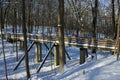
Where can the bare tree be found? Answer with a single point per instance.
(61, 34)
(95, 10)
(118, 40)
(118, 30)
(94, 23)
(15, 26)
(113, 19)
(2, 26)
(30, 16)
(25, 39)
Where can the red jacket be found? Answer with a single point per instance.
(76, 35)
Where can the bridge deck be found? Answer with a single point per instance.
(106, 44)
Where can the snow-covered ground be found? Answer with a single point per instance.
(104, 68)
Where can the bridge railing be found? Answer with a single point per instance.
(106, 43)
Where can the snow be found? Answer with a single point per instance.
(106, 67)
(102, 69)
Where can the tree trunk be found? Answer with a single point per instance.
(61, 34)
(1, 26)
(118, 7)
(15, 26)
(30, 17)
(94, 23)
(25, 39)
(95, 18)
(118, 33)
(113, 20)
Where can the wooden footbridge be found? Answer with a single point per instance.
(106, 44)
(100, 44)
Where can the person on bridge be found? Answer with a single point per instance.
(77, 35)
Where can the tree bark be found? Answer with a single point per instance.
(1, 26)
(25, 39)
(94, 23)
(15, 26)
(95, 18)
(113, 20)
(30, 17)
(118, 30)
(61, 34)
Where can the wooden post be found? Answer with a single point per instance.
(56, 55)
(38, 51)
(82, 55)
(86, 53)
(46, 56)
(21, 45)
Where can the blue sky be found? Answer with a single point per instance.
(102, 1)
